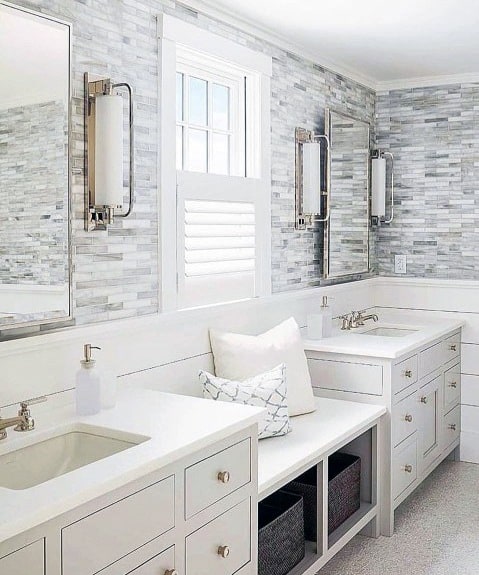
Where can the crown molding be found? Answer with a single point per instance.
(212, 9)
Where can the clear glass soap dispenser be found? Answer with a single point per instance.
(88, 384)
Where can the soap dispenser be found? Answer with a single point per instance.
(321, 324)
(88, 384)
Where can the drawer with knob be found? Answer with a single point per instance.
(404, 466)
(404, 419)
(404, 374)
(107, 535)
(452, 387)
(162, 564)
(452, 426)
(223, 546)
(452, 347)
(208, 481)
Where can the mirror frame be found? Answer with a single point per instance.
(327, 227)
(9, 330)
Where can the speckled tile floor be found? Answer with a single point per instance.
(437, 531)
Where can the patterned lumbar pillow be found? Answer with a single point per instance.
(267, 390)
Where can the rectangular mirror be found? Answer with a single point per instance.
(35, 56)
(346, 234)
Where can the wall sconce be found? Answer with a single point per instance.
(378, 186)
(309, 195)
(104, 153)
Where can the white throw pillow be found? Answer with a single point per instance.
(267, 390)
(238, 357)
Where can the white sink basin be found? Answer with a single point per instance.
(389, 331)
(65, 452)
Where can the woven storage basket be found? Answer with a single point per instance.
(344, 492)
(280, 534)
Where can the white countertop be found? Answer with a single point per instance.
(177, 425)
(313, 435)
(355, 342)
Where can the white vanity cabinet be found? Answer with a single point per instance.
(422, 392)
(26, 560)
(195, 516)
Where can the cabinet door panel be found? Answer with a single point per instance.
(28, 560)
(430, 402)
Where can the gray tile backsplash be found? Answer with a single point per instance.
(116, 272)
(434, 135)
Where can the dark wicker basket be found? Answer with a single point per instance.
(344, 474)
(280, 533)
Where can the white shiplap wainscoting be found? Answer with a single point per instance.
(161, 352)
(447, 298)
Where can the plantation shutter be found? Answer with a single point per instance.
(217, 238)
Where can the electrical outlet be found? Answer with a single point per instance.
(400, 264)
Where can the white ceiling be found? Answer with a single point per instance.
(373, 40)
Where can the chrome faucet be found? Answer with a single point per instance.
(23, 421)
(356, 319)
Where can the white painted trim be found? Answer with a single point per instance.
(171, 28)
(427, 82)
(167, 173)
(426, 282)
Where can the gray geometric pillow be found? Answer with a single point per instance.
(267, 390)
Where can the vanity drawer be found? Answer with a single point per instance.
(431, 358)
(217, 476)
(404, 419)
(452, 387)
(452, 425)
(346, 376)
(102, 538)
(158, 565)
(404, 467)
(222, 546)
(28, 560)
(404, 374)
(452, 347)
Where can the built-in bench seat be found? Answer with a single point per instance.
(335, 425)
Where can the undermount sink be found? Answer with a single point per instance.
(67, 451)
(390, 331)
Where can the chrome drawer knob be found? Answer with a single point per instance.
(171, 572)
(408, 418)
(408, 373)
(408, 468)
(452, 427)
(224, 476)
(423, 399)
(453, 347)
(453, 384)
(223, 551)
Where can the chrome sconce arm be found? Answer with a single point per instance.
(378, 185)
(104, 152)
(305, 217)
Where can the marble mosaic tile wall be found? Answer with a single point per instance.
(116, 272)
(434, 136)
(33, 195)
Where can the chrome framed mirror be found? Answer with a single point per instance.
(35, 180)
(347, 231)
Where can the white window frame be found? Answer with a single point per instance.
(190, 65)
(174, 37)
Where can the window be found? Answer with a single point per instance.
(218, 109)
(210, 116)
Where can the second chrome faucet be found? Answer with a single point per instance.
(356, 319)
